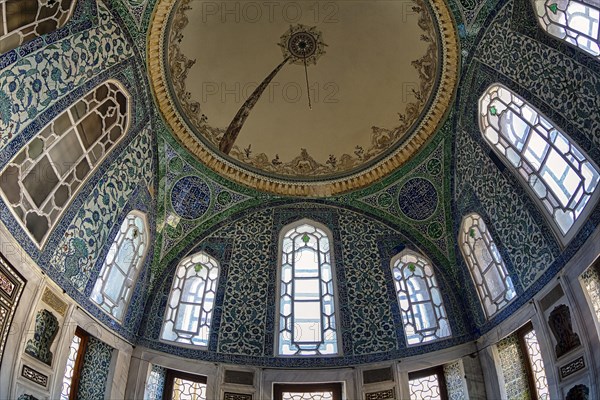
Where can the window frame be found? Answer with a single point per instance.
(336, 307)
(36, 22)
(74, 385)
(521, 333)
(461, 244)
(579, 221)
(172, 374)
(176, 309)
(593, 308)
(526, 363)
(70, 112)
(542, 26)
(335, 387)
(438, 370)
(138, 268)
(427, 262)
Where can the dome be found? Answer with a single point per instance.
(299, 200)
(335, 140)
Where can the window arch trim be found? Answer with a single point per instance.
(547, 191)
(552, 19)
(136, 268)
(200, 338)
(11, 39)
(431, 285)
(67, 153)
(283, 232)
(483, 290)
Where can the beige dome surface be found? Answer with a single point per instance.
(375, 87)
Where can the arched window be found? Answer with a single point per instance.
(122, 265)
(189, 311)
(40, 181)
(494, 286)
(25, 20)
(307, 316)
(559, 175)
(423, 313)
(574, 22)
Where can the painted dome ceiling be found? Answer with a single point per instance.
(307, 99)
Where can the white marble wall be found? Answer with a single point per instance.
(12, 384)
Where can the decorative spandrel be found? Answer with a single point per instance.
(46, 328)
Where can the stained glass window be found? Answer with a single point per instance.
(189, 311)
(574, 22)
(423, 313)
(320, 391)
(494, 286)
(427, 385)
(561, 177)
(120, 269)
(39, 182)
(184, 386)
(307, 320)
(76, 352)
(536, 363)
(188, 390)
(25, 20)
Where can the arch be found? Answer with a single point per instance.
(423, 313)
(488, 271)
(24, 20)
(559, 176)
(307, 309)
(573, 22)
(122, 265)
(188, 316)
(40, 181)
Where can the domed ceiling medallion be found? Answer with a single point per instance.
(352, 93)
